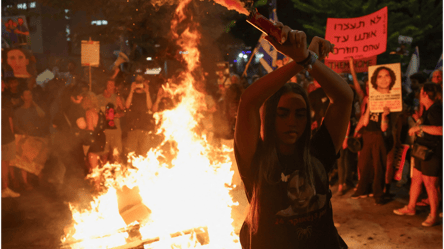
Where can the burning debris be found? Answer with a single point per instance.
(182, 204)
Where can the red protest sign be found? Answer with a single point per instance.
(359, 37)
(343, 66)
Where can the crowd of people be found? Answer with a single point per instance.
(59, 131)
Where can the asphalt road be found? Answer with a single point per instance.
(37, 218)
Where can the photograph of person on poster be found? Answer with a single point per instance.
(21, 31)
(18, 60)
(383, 80)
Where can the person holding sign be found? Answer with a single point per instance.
(373, 157)
(383, 80)
(284, 168)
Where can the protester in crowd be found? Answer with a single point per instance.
(13, 92)
(95, 125)
(112, 106)
(139, 117)
(319, 103)
(38, 93)
(356, 84)
(272, 148)
(412, 98)
(69, 122)
(437, 77)
(383, 79)
(223, 81)
(8, 145)
(207, 109)
(347, 162)
(164, 101)
(373, 155)
(31, 129)
(428, 164)
(225, 116)
(235, 79)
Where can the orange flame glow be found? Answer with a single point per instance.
(234, 5)
(188, 194)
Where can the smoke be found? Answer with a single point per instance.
(236, 5)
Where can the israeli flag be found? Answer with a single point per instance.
(267, 53)
(439, 64)
(411, 69)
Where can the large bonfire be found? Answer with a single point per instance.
(187, 199)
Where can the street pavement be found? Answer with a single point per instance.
(36, 220)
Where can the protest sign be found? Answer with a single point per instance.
(90, 53)
(343, 66)
(385, 87)
(15, 31)
(32, 153)
(360, 37)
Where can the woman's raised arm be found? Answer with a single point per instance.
(340, 94)
(247, 131)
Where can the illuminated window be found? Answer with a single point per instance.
(22, 6)
(32, 5)
(99, 22)
(67, 14)
(68, 33)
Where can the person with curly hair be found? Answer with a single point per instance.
(383, 80)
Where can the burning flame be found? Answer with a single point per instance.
(191, 194)
(234, 5)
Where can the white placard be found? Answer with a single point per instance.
(385, 87)
(90, 53)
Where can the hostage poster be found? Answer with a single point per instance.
(385, 87)
(15, 31)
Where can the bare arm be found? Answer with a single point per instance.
(119, 103)
(429, 129)
(11, 123)
(130, 96)
(149, 103)
(385, 119)
(432, 130)
(363, 121)
(340, 94)
(89, 120)
(129, 100)
(358, 88)
(156, 104)
(247, 131)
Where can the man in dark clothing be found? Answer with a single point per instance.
(139, 117)
(417, 80)
(69, 122)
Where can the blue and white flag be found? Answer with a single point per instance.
(439, 64)
(267, 53)
(411, 69)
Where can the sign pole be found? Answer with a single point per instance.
(90, 83)
(249, 61)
